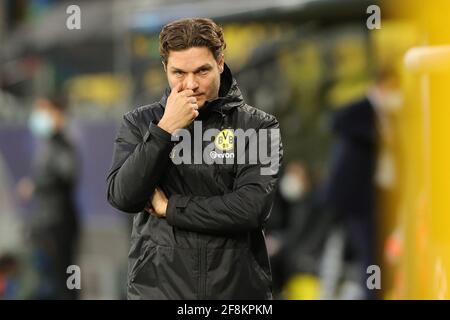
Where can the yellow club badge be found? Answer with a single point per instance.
(224, 141)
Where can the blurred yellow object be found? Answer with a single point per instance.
(428, 59)
(141, 46)
(419, 205)
(103, 89)
(242, 39)
(302, 287)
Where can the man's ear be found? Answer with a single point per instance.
(164, 65)
(221, 62)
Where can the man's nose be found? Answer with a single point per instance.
(190, 82)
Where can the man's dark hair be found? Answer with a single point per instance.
(187, 33)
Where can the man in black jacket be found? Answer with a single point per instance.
(201, 202)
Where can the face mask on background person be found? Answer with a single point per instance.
(291, 187)
(41, 124)
(392, 100)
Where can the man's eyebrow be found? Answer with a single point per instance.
(176, 69)
(206, 66)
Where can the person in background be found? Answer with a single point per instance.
(296, 230)
(349, 194)
(54, 225)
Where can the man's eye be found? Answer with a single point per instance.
(204, 71)
(178, 73)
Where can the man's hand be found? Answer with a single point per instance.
(181, 109)
(157, 204)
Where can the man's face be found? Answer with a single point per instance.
(197, 70)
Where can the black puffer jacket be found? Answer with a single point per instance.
(211, 244)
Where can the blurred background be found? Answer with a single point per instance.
(359, 88)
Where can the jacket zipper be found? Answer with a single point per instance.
(202, 252)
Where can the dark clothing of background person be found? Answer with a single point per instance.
(211, 244)
(302, 233)
(305, 237)
(54, 227)
(349, 192)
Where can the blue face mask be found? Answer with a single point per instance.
(41, 124)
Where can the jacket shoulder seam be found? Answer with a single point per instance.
(133, 114)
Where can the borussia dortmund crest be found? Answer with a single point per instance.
(224, 141)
